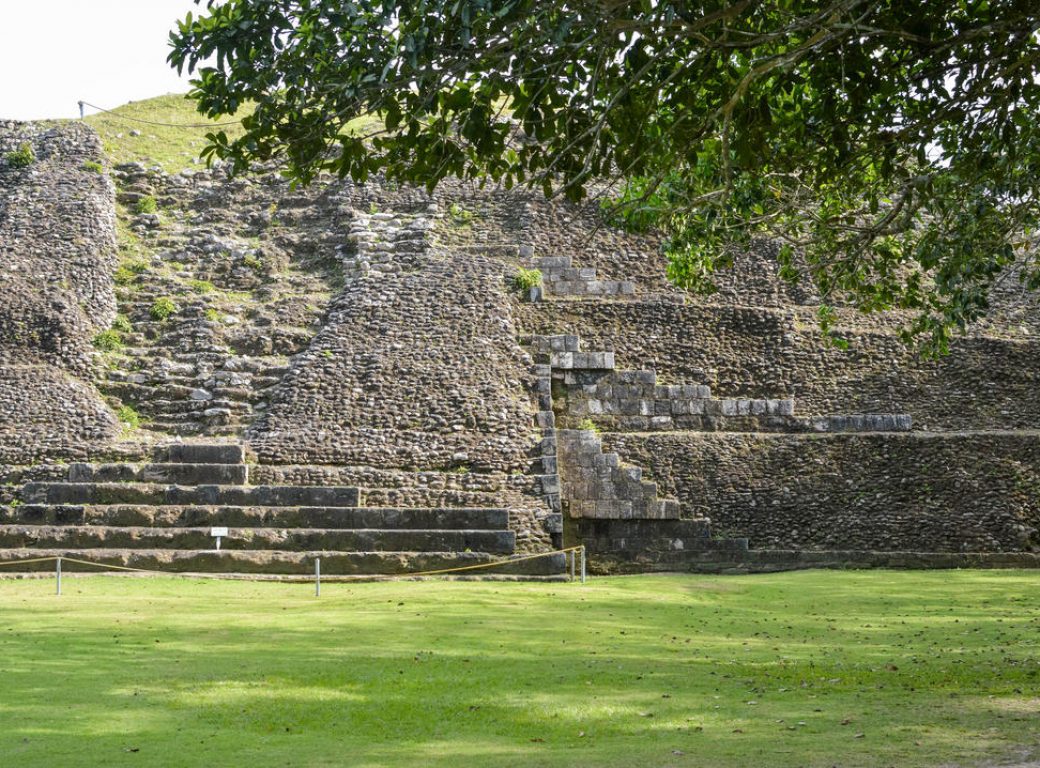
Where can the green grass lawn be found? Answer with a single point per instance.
(802, 669)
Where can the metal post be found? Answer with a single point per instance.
(81, 110)
(57, 575)
(317, 577)
(582, 563)
(572, 556)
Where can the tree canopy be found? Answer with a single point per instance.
(892, 147)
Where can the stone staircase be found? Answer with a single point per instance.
(561, 278)
(590, 387)
(236, 314)
(183, 382)
(609, 506)
(159, 516)
(618, 515)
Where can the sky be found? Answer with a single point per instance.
(54, 53)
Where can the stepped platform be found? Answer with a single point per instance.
(160, 515)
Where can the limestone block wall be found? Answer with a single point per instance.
(45, 413)
(596, 485)
(57, 244)
(416, 366)
(922, 492)
(871, 448)
(985, 383)
(57, 255)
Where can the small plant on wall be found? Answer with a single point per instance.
(22, 157)
(162, 308)
(108, 341)
(129, 416)
(146, 204)
(526, 279)
(460, 215)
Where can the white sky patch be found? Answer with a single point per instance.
(107, 52)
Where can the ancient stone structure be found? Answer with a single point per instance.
(57, 258)
(349, 372)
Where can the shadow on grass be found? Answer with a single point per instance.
(798, 669)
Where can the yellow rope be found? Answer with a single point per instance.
(330, 577)
(25, 562)
(113, 567)
(487, 565)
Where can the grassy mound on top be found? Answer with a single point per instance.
(173, 148)
(176, 142)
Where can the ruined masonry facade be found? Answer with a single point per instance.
(348, 372)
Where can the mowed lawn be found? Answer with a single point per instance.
(814, 668)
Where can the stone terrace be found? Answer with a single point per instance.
(393, 403)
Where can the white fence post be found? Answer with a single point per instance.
(57, 575)
(582, 563)
(317, 577)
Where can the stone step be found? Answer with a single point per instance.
(567, 361)
(552, 263)
(137, 392)
(570, 274)
(428, 497)
(591, 287)
(685, 529)
(206, 495)
(178, 473)
(861, 422)
(201, 453)
(211, 417)
(186, 429)
(282, 562)
(143, 515)
(292, 539)
(207, 413)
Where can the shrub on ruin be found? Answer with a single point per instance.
(252, 261)
(108, 341)
(460, 215)
(93, 166)
(129, 416)
(588, 424)
(201, 286)
(22, 157)
(162, 308)
(146, 204)
(122, 324)
(128, 271)
(526, 279)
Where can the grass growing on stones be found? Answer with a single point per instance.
(803, 669)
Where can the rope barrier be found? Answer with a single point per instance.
(26, 562)
(491, 565)
(112, 567)
(153, 122)
(327, 577)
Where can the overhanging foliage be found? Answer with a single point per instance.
(891, 147)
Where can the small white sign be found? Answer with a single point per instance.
(218, 534)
